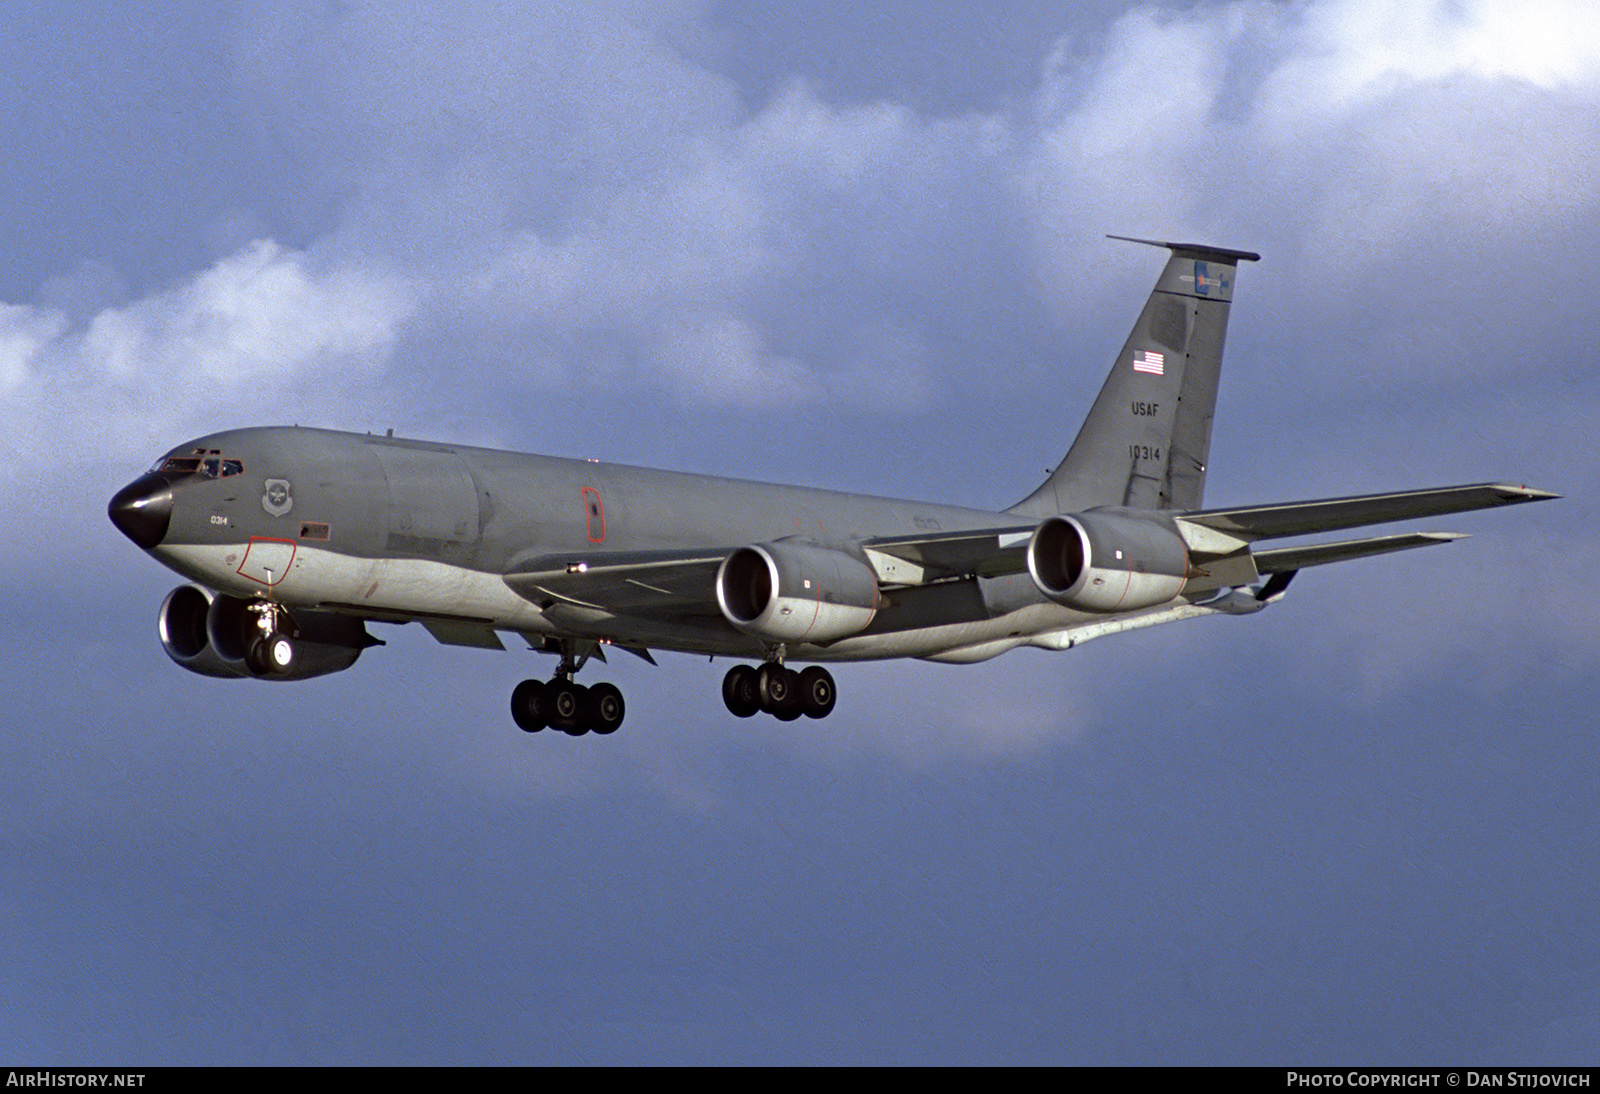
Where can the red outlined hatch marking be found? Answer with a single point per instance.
(595, 514)
(266, 561)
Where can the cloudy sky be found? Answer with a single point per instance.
(856, 246)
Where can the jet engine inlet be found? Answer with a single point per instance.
(1108, 561)
(796, 591)
(182, 626)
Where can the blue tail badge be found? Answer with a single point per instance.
(1204, 282)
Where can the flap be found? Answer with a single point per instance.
(632, 583)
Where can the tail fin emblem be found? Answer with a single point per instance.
(1204, 282)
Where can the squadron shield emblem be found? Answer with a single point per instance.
(277, 500)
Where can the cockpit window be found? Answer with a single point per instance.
(208, 463)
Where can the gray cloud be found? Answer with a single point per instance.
(1351, 827)
(564, 205)
(545, 181)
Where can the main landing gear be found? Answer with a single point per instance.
(575, 710)
(782, 693)
(571, 708)
(564, 705)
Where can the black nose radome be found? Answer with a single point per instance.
(142, 510)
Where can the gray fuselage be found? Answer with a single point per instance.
(392, 529)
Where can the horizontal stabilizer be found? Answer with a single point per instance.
(1287, 559)
(1195, 250)
(1307, 517)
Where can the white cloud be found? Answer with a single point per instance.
(1486, 611)
(717, 253)
(1350, 53)
(251, 322)
(1421, 213)
(563, 192)
(723, 359)
(25, 334)
(263, 335)
(478, 114)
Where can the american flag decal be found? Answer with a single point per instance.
(1148, 360)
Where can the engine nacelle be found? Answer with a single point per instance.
(1108, 562)
(210, 634)
(794, 591)
(182, 626)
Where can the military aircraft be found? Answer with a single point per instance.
(298, 538)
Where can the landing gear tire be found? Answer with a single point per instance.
(566, 707)
(530, 706)
(741, 692)
(255, 658)
(816, 692)
(777, 687)
(271, 656)
(603, 708)
(569, 707)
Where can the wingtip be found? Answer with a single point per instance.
(1519, 492)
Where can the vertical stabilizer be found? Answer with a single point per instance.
(1146, 440)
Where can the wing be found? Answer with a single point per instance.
(634, 582)
(1209, 534)
(1288, 559)
(637, 599)
(668, 598)
(683, 583)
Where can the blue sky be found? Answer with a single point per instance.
(856, 249)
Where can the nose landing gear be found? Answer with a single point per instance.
(273, 653)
